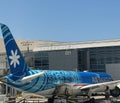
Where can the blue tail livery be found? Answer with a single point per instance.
(50, 83)
(16, 61)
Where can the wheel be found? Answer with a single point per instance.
(92, 100)
(50, 100)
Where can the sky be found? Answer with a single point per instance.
(62, 20)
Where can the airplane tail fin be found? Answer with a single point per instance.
(18, 67)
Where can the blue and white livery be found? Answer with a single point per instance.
(50, 82)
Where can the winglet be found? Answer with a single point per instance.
(18, 67)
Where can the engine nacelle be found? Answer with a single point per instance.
(69, 90)
(115, 92)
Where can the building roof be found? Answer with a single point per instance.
(76, 45)
(41, 45)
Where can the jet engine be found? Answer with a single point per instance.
(115, 92)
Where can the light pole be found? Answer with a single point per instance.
(27, 44)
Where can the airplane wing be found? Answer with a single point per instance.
(111, 85)
(89, 89)
(101, 87)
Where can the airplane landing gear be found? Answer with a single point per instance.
(92, 100)
(50, 100)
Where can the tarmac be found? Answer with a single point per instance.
(98, 99)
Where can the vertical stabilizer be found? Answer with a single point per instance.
(16, 61)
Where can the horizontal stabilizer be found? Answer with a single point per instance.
(31, 77)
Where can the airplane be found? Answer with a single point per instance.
(51, 83)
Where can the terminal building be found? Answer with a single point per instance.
(94, 56)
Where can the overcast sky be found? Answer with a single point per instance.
(62, 20)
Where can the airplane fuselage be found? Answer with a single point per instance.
(52, 78)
